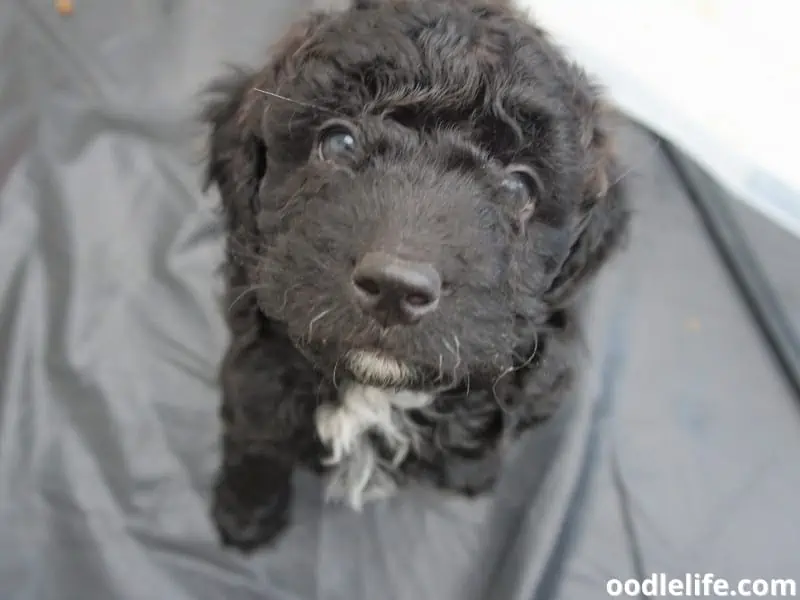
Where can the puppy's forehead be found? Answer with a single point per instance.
(454, 56)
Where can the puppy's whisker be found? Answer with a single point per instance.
(456, 352)
(447, 345)
(335, 381)
(530, 358)
(506, 409)
(286, 297)
(314, 320)
(248, 290)
(298, 102)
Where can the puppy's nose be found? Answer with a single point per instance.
(396, 291)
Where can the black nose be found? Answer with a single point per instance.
(395, 291)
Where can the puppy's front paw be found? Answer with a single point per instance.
(245, 524)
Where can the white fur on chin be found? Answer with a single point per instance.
(360, 475)
(378, 369)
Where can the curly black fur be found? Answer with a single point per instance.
(446, 102)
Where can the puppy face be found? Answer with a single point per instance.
(414, 188)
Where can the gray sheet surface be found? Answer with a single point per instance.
(681, 454)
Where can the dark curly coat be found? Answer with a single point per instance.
(415, 193)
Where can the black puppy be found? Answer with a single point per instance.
(415, 193)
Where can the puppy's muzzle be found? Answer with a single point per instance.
(396, 291)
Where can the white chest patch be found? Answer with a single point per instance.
(360, 474)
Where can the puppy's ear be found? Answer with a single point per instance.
(603, 215)
(236, 159)
(237, 153)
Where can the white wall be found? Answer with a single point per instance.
(720, 78)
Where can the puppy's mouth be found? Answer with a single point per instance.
(372, 365)
(379, 369)
(376, 368)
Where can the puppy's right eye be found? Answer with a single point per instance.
(336, 142)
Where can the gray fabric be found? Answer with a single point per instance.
(679, 456)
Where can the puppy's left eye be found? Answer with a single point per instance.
(522, 180)
(336, 142)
